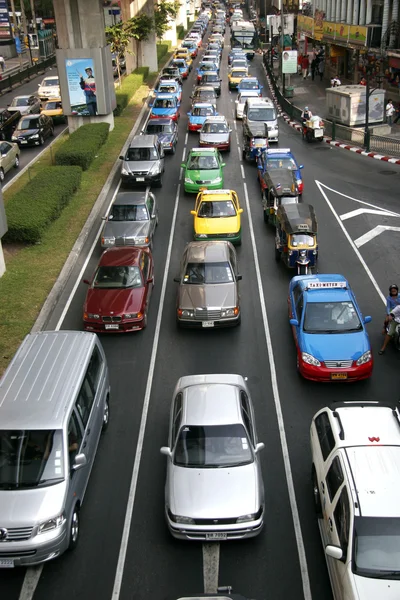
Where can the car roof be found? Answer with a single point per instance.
(200, 151)
(260, 102)
(250, 79)
(166, 96)
(216, 119)
(161, 121)
(133, 198)
(210, 73)
(203, 105)
(118, 257)
(208, 251)
(50, 77)
(215, 195)
(23, 96)
(211, 404)
(143, 141)
(168, 82)
(205, 88)
(324, 287)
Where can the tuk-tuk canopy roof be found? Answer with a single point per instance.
(282, 181)
(297, 218)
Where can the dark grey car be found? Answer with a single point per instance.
(143, 163)
(212, 78)
(204, 93)
(208, 292)
(27, 104)
(131, 221)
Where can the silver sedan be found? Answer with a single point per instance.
(214, 488)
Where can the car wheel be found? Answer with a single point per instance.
(41, 140)
(74, 529)
(144, 319)
(2, 136)
(52, 132)
(16, 162)
(277, 255)
(317, 497)
(159, 183)
(173, 149)
(244, 154)
(2, 174)
(106, 415)
(266, 216)
(228, 148)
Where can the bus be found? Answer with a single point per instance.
(243, 35)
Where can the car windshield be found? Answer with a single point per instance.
(28, 123)
(216, 209)
(50, 82)
(302, 239)
(207, 66)
(117, 277)
(261, 114)
(239, 63)
(167, 89)
(141, 154)
(180, 64)
(377, 547)
(164, 103)
(331, 317)
(202, 112)
(135, 212)
(214, 273)
(30, 458)
(215, 128)
(202, 162)
(205, 94)
(20, 102)
(212, 446)
(153, 128)
(249, 85)
(52, 105)
(239, 73)
(281, 163)
(211, 78)
(171, 71)
(288, 200)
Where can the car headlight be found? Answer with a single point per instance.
(154, 169)
(14, 138)
(246, 518)
(185, 313)
(108, 241)
(141, 240)
(230, 312)
(182, 520)
(310, 360)
(131, 316)
(51, 524)
(366, 357)
(188, 180)
(124, 171)
(217, 180)
(35, 136)
(302, 252)
(87, 316)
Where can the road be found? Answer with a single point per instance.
(124, 500)
(28, 154)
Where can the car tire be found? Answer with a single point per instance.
(106, 415)
(2, 175)
(317, 497)
(173, 149)
(277, 255)
(41, 140)
(159, 183)
(16, 162)
(144, 320)
(244, 154)
(52, 132)
(2, 136)
(74, 528)
(228, 148)
(266, 217)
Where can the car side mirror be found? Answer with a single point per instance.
(259, 446)
(240, 211)
(183, 165)
(239, 277)
(121, 157)
(193, 212)
(367, 320)
(259, 167)
(86, 281)
(166, 451)
(223, 164)
(150, 280)
(334, 552)
(301, 166)
(294, 322)
(177, 279)
(79, 462)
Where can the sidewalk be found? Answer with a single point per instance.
(14, 63)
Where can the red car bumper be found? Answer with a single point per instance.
(123, 326)
(194, 126)
(324, 374)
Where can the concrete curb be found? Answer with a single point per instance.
(61, 282)
(342, 145)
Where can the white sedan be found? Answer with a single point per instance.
(241, 101)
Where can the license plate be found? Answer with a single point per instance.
(259, 144)
(6, 563)
(112, 326)
(318, 132)
(208, 323)
(216, 536)
(338, 375)
(23, 142)
(139, 178)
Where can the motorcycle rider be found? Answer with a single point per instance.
(305, 116)
(391, 301)
(394, 320)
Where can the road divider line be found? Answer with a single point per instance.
(211, 553)
(31, 580)
(139, 447)
(186, 138)
(237, 139)
(352, 244)
(183, 154)
(240, 154)
(278, 409)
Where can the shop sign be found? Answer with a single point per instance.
(341, 32)
(358, 35)
(305, 24)
(328, 30)
(318, 25)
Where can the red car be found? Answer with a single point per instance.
(120, 291)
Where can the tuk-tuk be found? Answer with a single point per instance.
(255, 140)
(280, 190)
(296, 237)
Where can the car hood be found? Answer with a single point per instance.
(370, 589)
(214, 138)
(113, 301)
(164, 111)
(126, 229)
(222, 295)
(27, 508)
(25, 132)
(138, 165)
(256, 129)
(197, 120)
(214, 493)
(217, 226)
(203, 174)
(335, 346)
(165, 138)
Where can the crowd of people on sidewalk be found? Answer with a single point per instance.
(314, 67)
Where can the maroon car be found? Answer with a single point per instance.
(120, 290)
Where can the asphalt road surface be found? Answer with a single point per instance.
(125, 551)
(28, 154)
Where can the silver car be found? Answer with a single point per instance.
(143, 163)
(131, 221)
(214, 488)
(208, 292)
(9, 158)
(216, 132)
(241, 101)
(26, 105)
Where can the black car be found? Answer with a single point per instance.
(212, 78)
(8, 122)
(167, 132)
(32, 130)
(171, 72)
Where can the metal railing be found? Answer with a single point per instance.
(21, 75)
(356, 137)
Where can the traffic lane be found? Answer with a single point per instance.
(29, 87)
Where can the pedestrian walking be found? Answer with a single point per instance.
(335, 81)
(363, 81)
(314, 66)
(390, 110)
(305, 63)
(321, 67)
(2, 63)
(299, 59)
(397, 110)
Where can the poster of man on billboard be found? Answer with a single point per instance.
(81, 86)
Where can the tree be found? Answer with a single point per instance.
(163, 12)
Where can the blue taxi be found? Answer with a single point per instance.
(169, 86)
(250, 83)
(279, 158)
(199, 113)
(329, 329)
(165, 105)
(182, 66)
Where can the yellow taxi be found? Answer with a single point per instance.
(185, 54)
(217, 216)
(53, 108)
(235, 77)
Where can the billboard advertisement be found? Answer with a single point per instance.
(81, 86)
(5, 27)
(289, 61)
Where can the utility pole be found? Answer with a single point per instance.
(35, 31)
(25, 28)
(282, 45)
(16, 30)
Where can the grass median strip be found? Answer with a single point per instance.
(33, 270)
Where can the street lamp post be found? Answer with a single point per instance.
(280, 30)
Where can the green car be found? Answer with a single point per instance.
(203, 170)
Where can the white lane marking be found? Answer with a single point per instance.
(237, 139)
(211, 554)
(139, 447)
(357, 200)
(352, 244)
(234, 123)
(279, 415)
(240, 153)
(186, 138)
(242, 169)
(371, 211)
(85, 264)
(370, 235)
(31, 580)
(183, 154)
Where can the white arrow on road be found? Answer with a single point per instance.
(371, 211)
(370, 235)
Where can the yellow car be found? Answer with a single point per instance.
(217, 216)
(185, 54)
(235, 77)
(53, 108)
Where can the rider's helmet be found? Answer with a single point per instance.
(393, 287)
(306, 108)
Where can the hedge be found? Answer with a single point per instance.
(82, 145)
(129, 87)
(31, 210)
(162, 50)
(180, 32)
